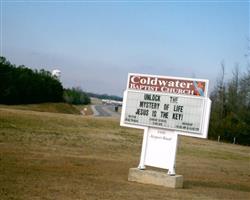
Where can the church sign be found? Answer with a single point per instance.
(165, 107)
(173, 103)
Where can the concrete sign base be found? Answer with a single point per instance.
(155, 178)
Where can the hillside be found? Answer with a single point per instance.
(46, 107)
(62, 156)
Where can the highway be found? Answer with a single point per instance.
(101, 110)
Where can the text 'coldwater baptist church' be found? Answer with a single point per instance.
(167, 85)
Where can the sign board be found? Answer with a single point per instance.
(165, 107)
(164, 111)
(179, 104)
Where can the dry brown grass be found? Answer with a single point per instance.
(62, 156)
(46, 107)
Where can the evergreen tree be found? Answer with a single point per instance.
(21, 85)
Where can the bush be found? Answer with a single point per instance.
(76, 96)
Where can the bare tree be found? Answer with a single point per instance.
(233, 100)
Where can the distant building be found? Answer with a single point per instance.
(56, 73)
(111, 102)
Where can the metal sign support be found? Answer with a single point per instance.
(143, 149)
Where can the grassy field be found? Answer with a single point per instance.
(47, 107)
(64, 156)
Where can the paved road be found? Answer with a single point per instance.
(105, 111)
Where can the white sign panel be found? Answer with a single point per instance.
(164, 111)
(161, 149)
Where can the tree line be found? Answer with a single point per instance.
(230, 111)
(21, 85)
(76, 96)
(105, 96)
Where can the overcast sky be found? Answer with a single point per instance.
(96, 44)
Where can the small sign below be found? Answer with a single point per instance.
(161, 149)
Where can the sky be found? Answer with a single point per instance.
(96, 44)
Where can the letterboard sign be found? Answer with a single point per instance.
(187, 113)
(164, 111)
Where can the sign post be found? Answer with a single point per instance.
(165, 107)
(143, 149)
